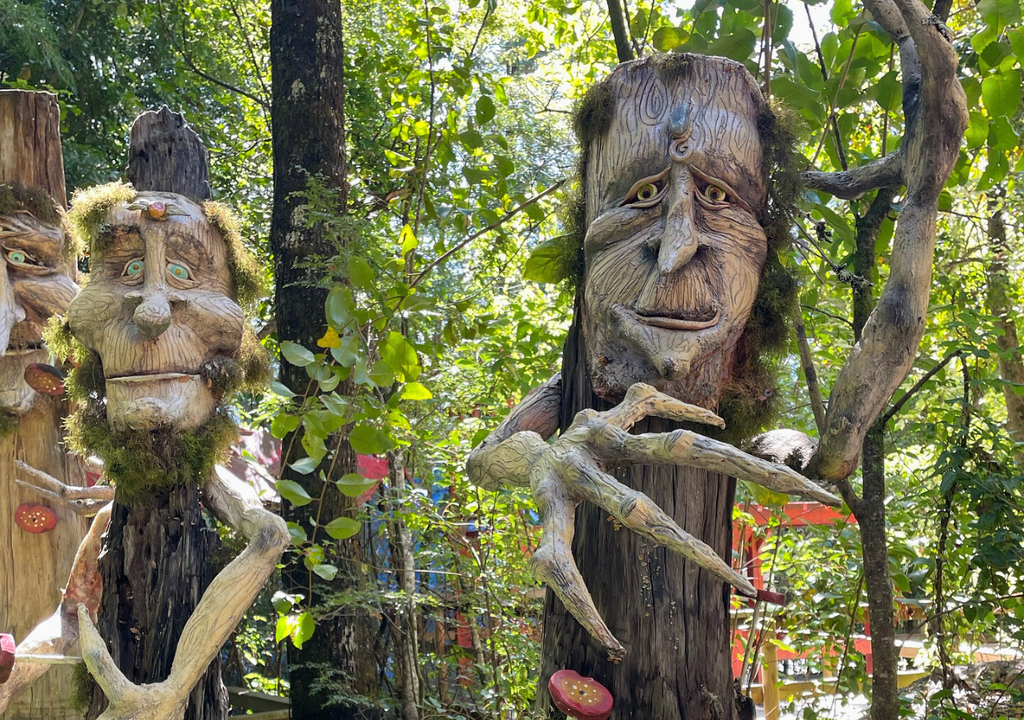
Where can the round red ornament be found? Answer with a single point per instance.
(581, 698)
(35, 518)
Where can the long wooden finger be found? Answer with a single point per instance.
(682, 447)
(641, 515)
(554, 565)
(644, 401)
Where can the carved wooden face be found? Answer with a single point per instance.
(35, 283)
(673, 249)
(159, 305)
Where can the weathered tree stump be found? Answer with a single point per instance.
(34, 566)
(156, 562)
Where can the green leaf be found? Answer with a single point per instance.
(281, 390)
(304, 466)
(407, 239)
(546, 263)
(1001, 93)
(669, 38)
(296, 354)
(360, 274)
(484, 110)
(327, 572)
(415, 391)
(282, 424)
(293, 493)
(401, 356)
(297, 533)
(382, 374)
(999, 13)
(342, 528)
(303, 630)
(368, 440)
(339, 307)
(354, 485)
(977, 130)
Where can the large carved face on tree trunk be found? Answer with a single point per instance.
(35, 283)
(673, 249)
(160, 312)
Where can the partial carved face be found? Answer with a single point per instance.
(159, 307)
(35, 283)
(673, 249)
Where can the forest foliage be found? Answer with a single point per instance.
(443, 311)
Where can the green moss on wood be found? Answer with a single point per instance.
(15, 197)
(89, 208)
(246, 273)
(140, 461)
(82, 686)
(9, 423)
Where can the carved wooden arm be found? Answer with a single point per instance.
(573, 469)
(82, 500)
(219, 611)
(58, 634)
(936, 118)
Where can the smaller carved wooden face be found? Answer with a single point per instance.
(35, 283)
(159, 306)
(673, 249)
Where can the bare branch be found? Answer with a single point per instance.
(851, 184)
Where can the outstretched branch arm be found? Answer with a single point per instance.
(219, 611)
(58, 634)
(936, 121)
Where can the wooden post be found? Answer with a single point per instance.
(157, 559)
(770, 675)
(33, 567)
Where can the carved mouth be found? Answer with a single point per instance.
(679, 320)
(154, 377)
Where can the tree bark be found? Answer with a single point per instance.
(308, 93)
(997, 300)
(33, 567)
(672, 616)
(870, 511)
(620, 31)
(157, 558)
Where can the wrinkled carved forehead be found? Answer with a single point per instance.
(184, 233)
(721, 104)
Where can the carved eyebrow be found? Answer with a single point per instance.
(189, 249)
(45, 248)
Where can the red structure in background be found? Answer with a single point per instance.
(747, 545)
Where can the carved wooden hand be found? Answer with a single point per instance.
(573, 468)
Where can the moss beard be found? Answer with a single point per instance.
(139, 462)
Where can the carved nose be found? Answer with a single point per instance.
(153, 315)
(678, 241)
(11, 311)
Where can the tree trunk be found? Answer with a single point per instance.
(870, 511)
(308, 113)
(997, 300)
(34, 567)
(157, 558)
(672, 616)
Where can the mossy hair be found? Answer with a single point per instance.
(245, 271)
(15, 197)
(86, 220)
(748, 399)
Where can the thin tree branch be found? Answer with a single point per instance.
(898, 405)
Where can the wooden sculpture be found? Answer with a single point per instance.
(39, 532)
(683, 210)
(160, 343)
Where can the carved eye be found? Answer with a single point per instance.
(22, 258)
(647, 192)
(716, 194)
(133, 270)
(179, 272)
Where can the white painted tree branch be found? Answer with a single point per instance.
(58, 634)
(573, 469)
(215, 618)
(82, 500)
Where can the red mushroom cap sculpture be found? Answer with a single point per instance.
(6, 657)
(35, 518)
(45, 378)
(581, 698)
